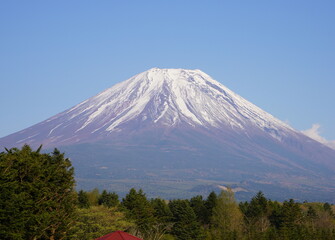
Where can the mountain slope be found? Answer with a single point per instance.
(163, 97)
(182, 124)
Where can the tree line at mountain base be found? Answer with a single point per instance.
(38, 201)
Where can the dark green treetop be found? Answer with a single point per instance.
(185, 222)
(139, 209)
(108, 199)
(83, 201)
(37, 197)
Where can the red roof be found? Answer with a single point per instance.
(118, 235)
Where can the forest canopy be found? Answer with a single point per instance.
(37, 196)
(38, 201)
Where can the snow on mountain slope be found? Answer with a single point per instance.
(166, 97)
(160, 97)
(176, 95)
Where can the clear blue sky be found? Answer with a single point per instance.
(280, 55)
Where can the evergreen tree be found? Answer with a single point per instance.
(288, 219)
(291, 213)
(108, 199)
(139, 209)
(210, 204)
(83, 201)
(185, 225)
(256, 215)
(37, 197)
(199, 208)
(162, 212)
(258, 206)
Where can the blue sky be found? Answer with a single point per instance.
(280, 55)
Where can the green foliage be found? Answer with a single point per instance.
(155, 232)
(93, 197)
(162, 212)
(108, 199)
(256, 215)
(168, 237)
(210, 204)
(37, 198)
(290, 215)
(227, 218)
(185, 225)
(258, 206)
(139, 209)
(289, 220)
(311, 213)
(37, 201)
(97, 221)
(327, 207)
(199, 207)
(83, 201)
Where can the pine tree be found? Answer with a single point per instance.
(37, 197)
(83, 201)
(199, 208)
(256, 214)
(288, 219)
(162, 212)
(108, 199)
(139, 209)
(185, 225)
(210, 204)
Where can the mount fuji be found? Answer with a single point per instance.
(176, 133)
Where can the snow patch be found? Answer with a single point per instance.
(54, 128)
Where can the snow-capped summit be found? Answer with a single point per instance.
(167, 97)
(180, 123)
